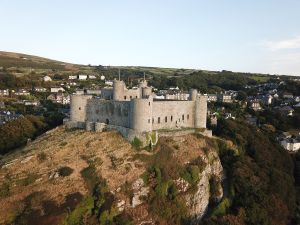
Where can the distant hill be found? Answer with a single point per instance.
(19, 60)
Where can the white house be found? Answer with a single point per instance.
(72, 77)
(57, 89)
(92, 77)
(47, 78)
(82, 77)
(4, 92)
(291, 144)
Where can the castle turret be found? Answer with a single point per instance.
(78, 107)
(141, 114)
(200, 111)
(118, 90)
(146, 92)
(193, 94)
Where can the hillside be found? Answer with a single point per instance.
(61, 169)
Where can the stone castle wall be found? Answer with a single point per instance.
(173, 114)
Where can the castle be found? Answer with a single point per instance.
(135, 112)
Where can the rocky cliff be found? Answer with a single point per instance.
(64, 176)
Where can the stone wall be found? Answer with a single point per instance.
(172, 114)
(109, 112)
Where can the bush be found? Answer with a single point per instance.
(137, 143)
(4, 190)
(65, 171)
(42, 156)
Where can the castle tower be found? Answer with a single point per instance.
(193, 94)
(118, 90)
(141, 114)
(200, 111)
(78, 107)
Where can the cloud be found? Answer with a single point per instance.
(292, 43)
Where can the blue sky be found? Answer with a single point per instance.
(238, 35)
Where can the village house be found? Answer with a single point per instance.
(57, 89)
(72, 77)
(82, 77)
(60, 98)
(47, 78)
(4, 92)
(22, 92)
(40, 89)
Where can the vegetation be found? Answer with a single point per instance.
(137, 143)
(17, 132)
(65, 171)
(261, 176)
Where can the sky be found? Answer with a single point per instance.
(238, 35)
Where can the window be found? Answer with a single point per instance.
(171, 118)
(149, 103)
(79, 108)
(149, 120)
(152, 120)
(188, 116)
(166, 119)
(182, 117)
(125, 97)
(97, 111)
(135, 96)
(158, 120)
(130, 97)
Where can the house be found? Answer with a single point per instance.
(92, 77)
(6, 116)
(212, 97)
(255, 105)
(22, 92)
(57, 89)
(286, 110)
(47, 78)
(82, 77)
(40, 89)
(268, 99)
(297, 98)
(291, 144)
(4, 92)
(32, 103)
(72, 77)
(109, 82)
(60, 98)
(287, 95)
(225, 98)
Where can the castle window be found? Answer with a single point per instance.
(148, 120)
(152, 120)
(79, 108)
(158, 120)
(166, 119)
(149, 103)
(97, 111)
(171, 118)
(182, 117)
(130, 97)
(188, 116)
(125, 97)
(135, 96)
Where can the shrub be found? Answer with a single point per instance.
(42, 156)
(4, 190)
(137, 143)
(31, 178)
(65, 171)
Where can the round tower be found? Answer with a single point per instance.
(200, 111)
(146, 92)
(118, 90)
(141, 114)
(193, 94)
(78, 107)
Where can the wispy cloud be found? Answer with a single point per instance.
(292, 43)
